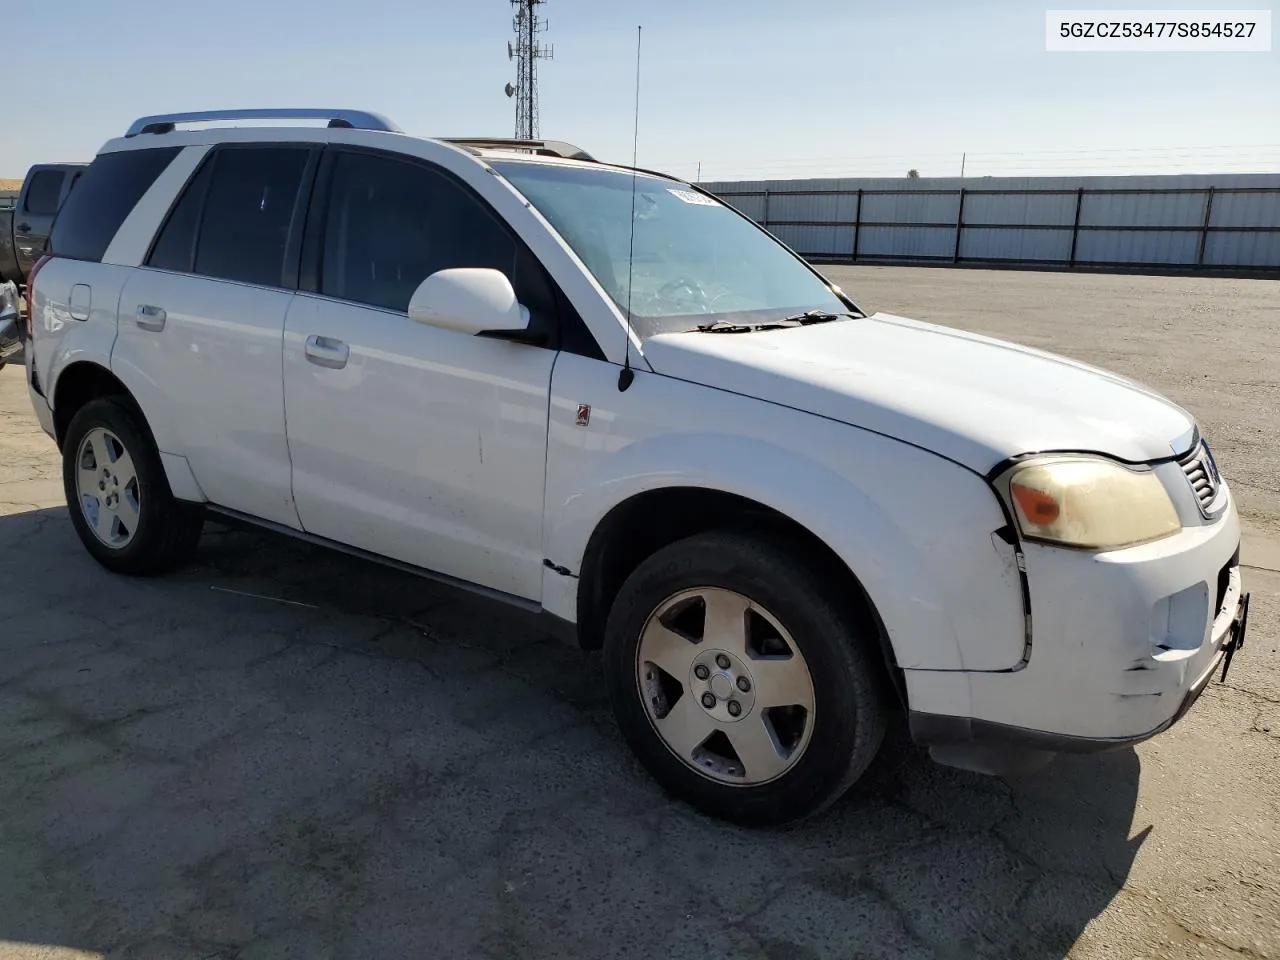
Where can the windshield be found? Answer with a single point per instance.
(696, 260)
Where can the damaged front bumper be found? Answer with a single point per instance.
(984, 744)
(1124, 643)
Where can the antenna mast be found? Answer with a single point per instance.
(527, 51)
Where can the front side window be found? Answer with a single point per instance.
(393, 223)
(695, 260)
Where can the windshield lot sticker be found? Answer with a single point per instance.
(689, 196)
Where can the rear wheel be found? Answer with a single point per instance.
(744, 684)
(118, 496)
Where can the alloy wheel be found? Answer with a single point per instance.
(107, 488)
(725, 686)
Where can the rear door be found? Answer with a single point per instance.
(201, 323)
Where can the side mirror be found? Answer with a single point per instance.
(479, 301)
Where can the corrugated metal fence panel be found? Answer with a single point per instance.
(1130, 246)
(1153, 209)
(1246, 209)
(906, 242)
(831, 208)
(1242, 249)
(1041, 246)
(1149, 220)
(835, 241)
(910, 207)
(1019, 209)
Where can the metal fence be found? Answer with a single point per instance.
(1186, 223)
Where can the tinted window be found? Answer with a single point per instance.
(42, 194)
(391, 224)
(103, 197)
(175, 248)
(248, 213)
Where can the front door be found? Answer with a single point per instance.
(413, 442)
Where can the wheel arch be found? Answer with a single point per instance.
(644, 523)
(84, 381)
(78, 384)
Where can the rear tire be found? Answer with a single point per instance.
(743, 681)
(118, 496)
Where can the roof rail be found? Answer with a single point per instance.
(357, 119)
(546, 148)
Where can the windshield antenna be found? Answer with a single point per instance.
(627, 375)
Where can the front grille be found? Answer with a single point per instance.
(1202, 473)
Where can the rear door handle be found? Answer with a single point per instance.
(24, 227)
(327, 352)
(150, 318)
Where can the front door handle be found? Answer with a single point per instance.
(150, 318)
(24, 228)
(327, 352)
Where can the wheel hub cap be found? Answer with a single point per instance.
(728, 685)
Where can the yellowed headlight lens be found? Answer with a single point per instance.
(1091, 503)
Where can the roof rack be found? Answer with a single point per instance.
(545, 148)
(355, 119)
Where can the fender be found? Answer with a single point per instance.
(67, 335)
(883, 549)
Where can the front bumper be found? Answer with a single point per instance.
(1123, 643)
(946, 733)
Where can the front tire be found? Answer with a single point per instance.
(118, 496)
(743, 681)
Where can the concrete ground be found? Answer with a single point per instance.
(285, 753)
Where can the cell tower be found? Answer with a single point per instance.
(527, 51)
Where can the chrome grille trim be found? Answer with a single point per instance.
(1202, 474)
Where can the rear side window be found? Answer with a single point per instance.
(43, 193)
(103, 197)
(248, 213)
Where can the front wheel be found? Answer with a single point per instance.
(119, 498)
(745, 684)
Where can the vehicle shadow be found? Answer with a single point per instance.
(284, 752)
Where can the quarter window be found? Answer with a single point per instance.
(102, 198)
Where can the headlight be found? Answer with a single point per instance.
(1088, 502)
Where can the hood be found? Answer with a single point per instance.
(973, 399)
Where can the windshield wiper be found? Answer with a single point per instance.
(815, 316)
(797, 320)
(728, 326)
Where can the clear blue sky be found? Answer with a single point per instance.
(747, 87)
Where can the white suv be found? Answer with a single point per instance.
(602, 395)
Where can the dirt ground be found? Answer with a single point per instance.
(286, 753)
